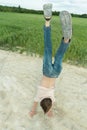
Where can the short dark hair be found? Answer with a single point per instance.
(46, 104)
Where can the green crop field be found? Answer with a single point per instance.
(24, 33)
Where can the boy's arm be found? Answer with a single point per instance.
(33, 110)
(34, 107)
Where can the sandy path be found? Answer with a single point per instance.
(19, 76)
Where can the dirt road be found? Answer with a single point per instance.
(19, 77)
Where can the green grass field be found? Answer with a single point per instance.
(24, 33)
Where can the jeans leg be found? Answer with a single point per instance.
(59, 57)
(47, 59)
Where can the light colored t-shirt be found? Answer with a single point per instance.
(44, 92)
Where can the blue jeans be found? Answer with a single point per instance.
(49, 69)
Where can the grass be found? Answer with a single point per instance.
(24, 33)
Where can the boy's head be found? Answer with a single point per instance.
(46, 104)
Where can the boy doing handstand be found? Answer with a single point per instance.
(45, 91)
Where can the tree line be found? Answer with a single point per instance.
(23, 10)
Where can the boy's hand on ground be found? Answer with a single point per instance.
(32, 113)
(50, 113)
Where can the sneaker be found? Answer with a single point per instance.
(66, 22)
(47, 8)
